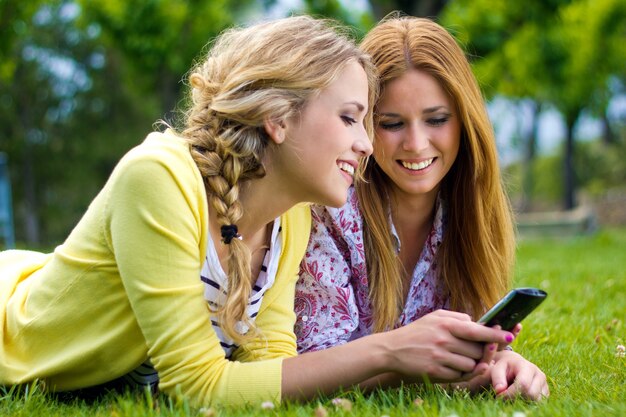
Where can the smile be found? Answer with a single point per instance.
(417, 166)
(346, 167)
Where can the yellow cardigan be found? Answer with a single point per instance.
(125, 286)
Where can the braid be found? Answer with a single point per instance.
(249, 76)
(224, 162)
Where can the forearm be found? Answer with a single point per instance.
(326, 371)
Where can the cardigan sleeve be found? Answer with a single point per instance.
(157, 225)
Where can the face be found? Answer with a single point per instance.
(417, 134)
(324, 143)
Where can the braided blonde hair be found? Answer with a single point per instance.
(264, 72)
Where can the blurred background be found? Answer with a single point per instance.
(82, 81)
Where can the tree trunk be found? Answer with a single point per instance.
(608, 136)
(530, 151)
(28, 180)
(568, 165)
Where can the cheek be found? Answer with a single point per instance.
(451, 141)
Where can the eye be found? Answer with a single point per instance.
(438, 121)
(390, 125)
(348, 120)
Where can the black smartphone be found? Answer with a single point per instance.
(513, 308)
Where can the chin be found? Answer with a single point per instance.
(338, 200)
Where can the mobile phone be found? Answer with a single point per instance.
(513, 308)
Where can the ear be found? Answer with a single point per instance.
(276, 129)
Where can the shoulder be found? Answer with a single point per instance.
(162, 163)
(158, 149)
(296, 227)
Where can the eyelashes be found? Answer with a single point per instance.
(348, 120)
(433, 121)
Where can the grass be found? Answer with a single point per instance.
(573, 337)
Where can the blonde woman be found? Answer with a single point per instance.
(427, 238)
(279, 116)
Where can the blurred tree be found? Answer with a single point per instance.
(159, 39)
(360, 21)
(35, 99)
(423, 8)
(77, 92)
(557, 52)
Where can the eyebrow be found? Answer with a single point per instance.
(358, 105)
(434, 109)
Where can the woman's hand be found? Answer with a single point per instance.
(442, 346)
(511, 376)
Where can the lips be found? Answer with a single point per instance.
(346, 167)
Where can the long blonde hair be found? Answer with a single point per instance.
(476, 256)
(266, 71)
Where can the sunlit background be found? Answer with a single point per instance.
(83, 81)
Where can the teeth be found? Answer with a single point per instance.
(417, 166)
(344, 166)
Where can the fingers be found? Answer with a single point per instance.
(451, 314)
(478, 333)
(514, 377)
(515, 331)
(499, 379)
(489, 352)
(535, 390)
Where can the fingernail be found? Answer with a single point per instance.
(499, 388)
(492, 347)
(509, 337)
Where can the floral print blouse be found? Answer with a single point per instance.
(332, 305)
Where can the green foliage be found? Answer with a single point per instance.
(361, 22)
(560, 52)
(573, 337)
(599, 167)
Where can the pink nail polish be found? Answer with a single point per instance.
(509, 337)
(492, 347)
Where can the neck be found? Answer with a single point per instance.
(412, 216)
(262, 201)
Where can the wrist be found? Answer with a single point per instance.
(380, 356)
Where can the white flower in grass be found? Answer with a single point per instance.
(207, 412)
(518, 414)
(320, 411)
(620, 351)
(267, 405)
(342, 403)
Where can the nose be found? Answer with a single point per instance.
(416, 139)
(363, 144)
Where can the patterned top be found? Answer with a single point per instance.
(332, 304)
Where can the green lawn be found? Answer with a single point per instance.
(573, 337)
